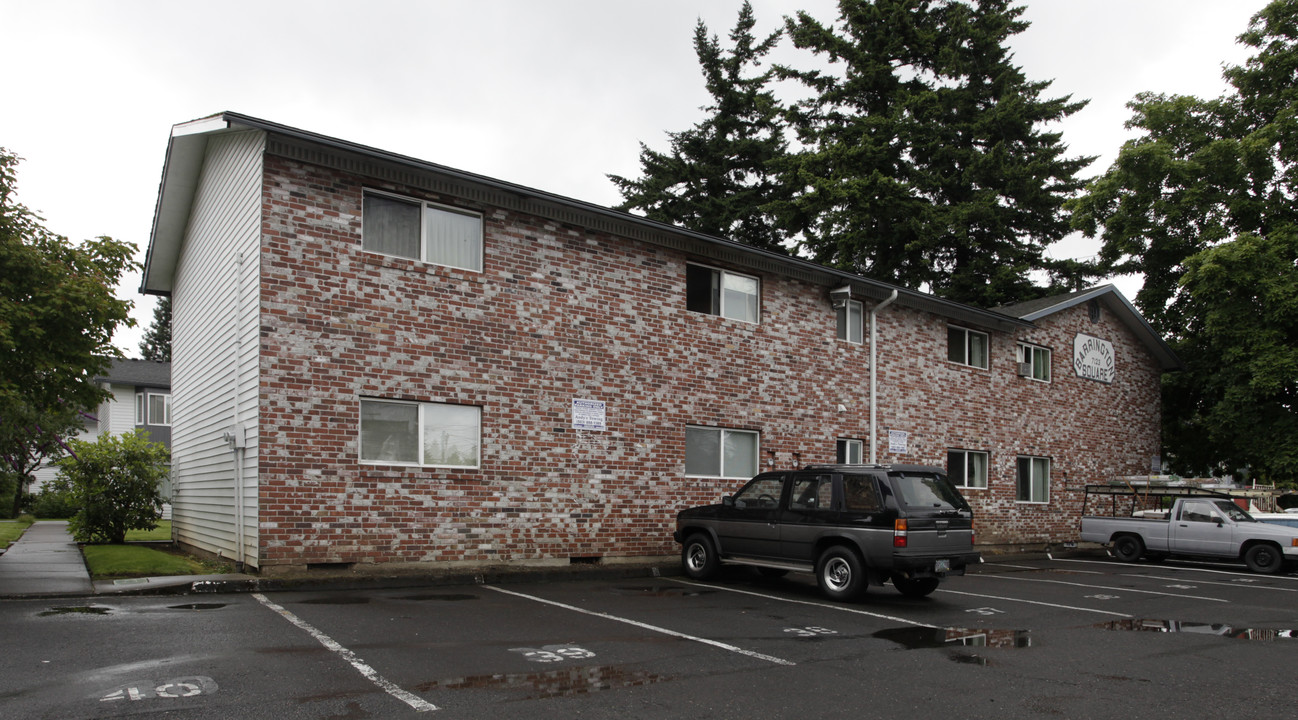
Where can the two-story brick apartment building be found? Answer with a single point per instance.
(379, 359)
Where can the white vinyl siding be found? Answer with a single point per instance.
(215, 350)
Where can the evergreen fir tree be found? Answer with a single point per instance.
(718, 175)
(925, 162)
(156, 344)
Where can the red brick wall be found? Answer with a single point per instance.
(560, 313)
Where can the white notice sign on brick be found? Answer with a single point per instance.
(588, 415)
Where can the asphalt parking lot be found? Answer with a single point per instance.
(1075, 638)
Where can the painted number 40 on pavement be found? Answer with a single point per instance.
(175, 688)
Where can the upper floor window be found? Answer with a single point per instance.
(850, 321)
(719, 292)
(967, 468)
(152, 408)
(967, 347)
(1033, 479)
(718, 452)
(408, 433)
(1034, 362)
(409, 228)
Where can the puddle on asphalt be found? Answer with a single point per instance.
(444, 597)
(553, 683)
(663, 591)
(916, 638)
(1176, 626)
(77, 610)
(197, 606)
(340, 600)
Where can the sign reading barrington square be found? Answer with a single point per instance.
(1093, 358)
(588, 415)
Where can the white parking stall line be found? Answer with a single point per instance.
(829, 606)
(1107, 587)
(1211, 582)
(646, 626)
(387, 686)
(1034, 602)
(1190, 565)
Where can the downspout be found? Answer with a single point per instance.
(874, 355)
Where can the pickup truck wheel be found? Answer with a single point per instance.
(840, 574)
(699, 557)
(1263, 558)
(914, 587)
(1128, 548)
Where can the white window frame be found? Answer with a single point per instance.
(425, 208)
(140, 405)
(725, 433)
(1028, 353)
(718, 305)
(1034, 463)
(966, 354)
(166, 409)
(846, 448)
(850, 321)
(966, 456)
(424, 409)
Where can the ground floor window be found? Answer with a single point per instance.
(720, 452)
(410, 433)
(967, 468)
(850, 452)
(1033, 479)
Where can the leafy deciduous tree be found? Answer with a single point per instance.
(57, 317)
(1202, 204)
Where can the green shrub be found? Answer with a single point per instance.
(113, 483)
(52, 504)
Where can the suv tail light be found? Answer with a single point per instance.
(899, 539)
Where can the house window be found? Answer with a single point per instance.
(422, 231)
(967, 347)
(1033, 479)
(1034, 362)
(159, 409)
(967, 468)
(850, 323)
(139, 409)
(717, 452)
(407, 433)
(850, 452)
(718, 292)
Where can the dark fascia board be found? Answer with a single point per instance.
(1114, 301)
(188, 142)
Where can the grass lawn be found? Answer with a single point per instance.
(125, 561)
(14, 529)
(162, 532)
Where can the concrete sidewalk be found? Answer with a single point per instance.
(45, 562)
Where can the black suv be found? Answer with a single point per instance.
(852, 525)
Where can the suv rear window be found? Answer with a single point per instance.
(927, 490)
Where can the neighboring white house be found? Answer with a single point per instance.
(141, 399)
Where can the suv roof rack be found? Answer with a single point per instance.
(848, 466)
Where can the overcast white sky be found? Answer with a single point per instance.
(552, 94)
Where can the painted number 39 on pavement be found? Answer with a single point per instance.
(181, 687)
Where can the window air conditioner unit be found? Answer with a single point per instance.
(1025, 369)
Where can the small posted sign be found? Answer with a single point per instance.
(897, 441)
(589, 415)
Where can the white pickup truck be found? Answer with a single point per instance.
(1156, 522)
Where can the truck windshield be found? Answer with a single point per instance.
(927, 490)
